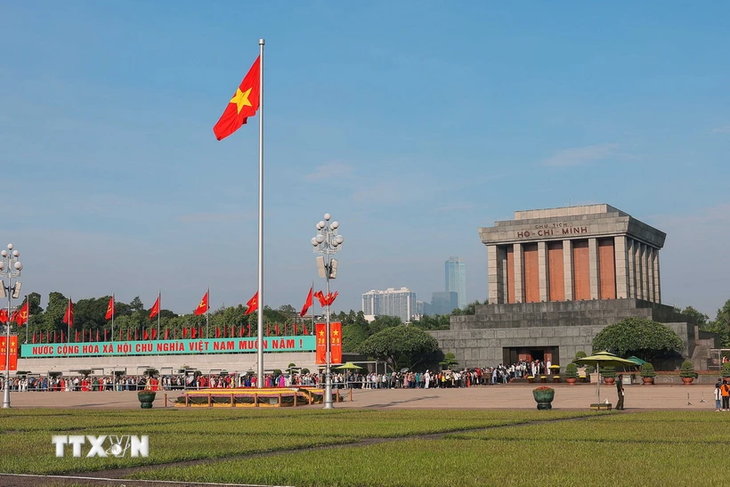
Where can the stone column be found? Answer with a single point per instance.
(650, 272)
(543, 271)
(593, 268)
(502, 259)
(568, 268)
(493, 275)
(645, 271)
(638, 268)
(622, 267)
(656, 283)
(519, 276)
(630, 256)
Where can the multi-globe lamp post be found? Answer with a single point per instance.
(10, 268)
(327, 242)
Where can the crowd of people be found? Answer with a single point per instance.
(403, 379)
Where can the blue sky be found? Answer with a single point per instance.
(413, 123)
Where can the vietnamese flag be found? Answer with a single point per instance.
(106, 335)
(145, 336)
(217, 332)
(155, 310)
(306, 332)
(307, 303)
(295, 329)
(3, 315)
(185, 332)
(136, 335)
(321, 351)
(253, 304)
(203, 306)
(154, 333)
(194, 332)
(77, 336)
(167, 333)
(34, 339)
(276, 330)
(244, 103)
(110, 309)
(68, 316)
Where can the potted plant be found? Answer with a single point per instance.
(687, 372)
(609, 375)
(147, 395)
(544, 396)
(571, 373)
(647, 374)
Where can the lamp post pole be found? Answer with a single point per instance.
(327, 242)
(10, 268)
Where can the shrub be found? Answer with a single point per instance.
(726, 369)
(647, 370)
(608, 372)
(151, 372)
(571, 371)
(687, 369)
(580, 354)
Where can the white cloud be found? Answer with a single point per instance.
(329, 171)
(578, 156)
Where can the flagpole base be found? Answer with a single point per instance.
(6, 394)
(328, 393)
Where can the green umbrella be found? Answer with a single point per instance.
(348, 365)
(637, 360)
(606, 359)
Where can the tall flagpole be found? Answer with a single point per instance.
(27, 320)
(260, 302)
(207, 308)
(312, 314)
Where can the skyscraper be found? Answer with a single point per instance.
(391, 302)
(455, 272)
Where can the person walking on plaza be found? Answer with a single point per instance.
(718, 394)
(620, 390)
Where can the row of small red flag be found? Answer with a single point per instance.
(20, 316)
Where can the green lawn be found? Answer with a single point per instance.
(387, 448)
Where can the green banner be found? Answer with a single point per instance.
(168, 347)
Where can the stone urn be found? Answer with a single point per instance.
(609, 380)
(687, 380)
(571, 380)
(648, 381)
(146, 398)
(544, 397)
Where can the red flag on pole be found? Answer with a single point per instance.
(3, 315)
(194, 332)
(253, 304)
(307, 303)
(106, 335)
(321, 351)
(295, 329)
(217, 332)
(244, 103)
(276, 329)
(129, 335)
(97, 335)
(267, 330)
(167, 333)
(110, 309)
(203, 306)
(21, 316)
(155, 308)
(154, 333)
(68, 316)
(76, 338)
(34, 339)
(185, 332)
(136, 334)
(306, 332)
(145, 336)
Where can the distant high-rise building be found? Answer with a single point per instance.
(423, 309)
(391, 302)
(444, 302)
(456, 279)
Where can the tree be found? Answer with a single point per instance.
(449, 361)
(405, 344)
(644, 338)
(721, 325)
(382, 322)
(695, 316)
(353, 336)
(436, 322)
(470, 308)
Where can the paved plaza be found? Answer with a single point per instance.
(511, 396)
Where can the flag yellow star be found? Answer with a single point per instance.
(241, 99)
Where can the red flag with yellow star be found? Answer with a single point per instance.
(253, 304)
(244, 103)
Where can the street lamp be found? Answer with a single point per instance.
(10, 268)
(327, 242)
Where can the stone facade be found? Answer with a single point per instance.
(556, 278)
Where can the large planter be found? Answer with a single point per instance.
(544, 397)
(687, 380)
(146, 398)
(571, 380)
(648, 381)
(609, 380)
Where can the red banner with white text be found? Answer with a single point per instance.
(336, 342)
(321, 355)
(13, 352)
